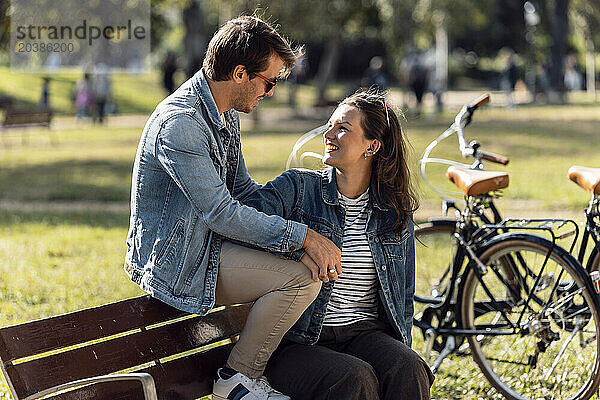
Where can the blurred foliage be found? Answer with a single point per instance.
(480, 26)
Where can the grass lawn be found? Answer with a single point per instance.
(131, 93)
(63, 210)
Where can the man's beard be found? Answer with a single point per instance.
(242, 103)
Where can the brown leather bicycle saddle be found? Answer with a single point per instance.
(475, 182)
(587, 178)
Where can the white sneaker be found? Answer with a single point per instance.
(240, 387)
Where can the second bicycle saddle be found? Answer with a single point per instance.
(475, 182)
(587, 178)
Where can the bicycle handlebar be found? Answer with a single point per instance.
(493, 157)
(480, 102)
(461, 121)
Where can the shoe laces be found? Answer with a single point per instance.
(263, 384)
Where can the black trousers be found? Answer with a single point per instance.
(361, 361)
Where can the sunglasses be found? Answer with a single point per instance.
(379, 99)
(269, 84)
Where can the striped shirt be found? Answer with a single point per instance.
(354, 294)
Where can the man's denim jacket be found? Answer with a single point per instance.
(311, 197)
(187, 174)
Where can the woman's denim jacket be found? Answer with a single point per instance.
(311, 197)
(187, 174)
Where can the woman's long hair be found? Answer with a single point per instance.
(390, 167)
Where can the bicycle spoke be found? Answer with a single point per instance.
(507, 361)
(562, 351)
(553, 350)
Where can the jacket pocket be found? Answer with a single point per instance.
(168, 252)
(393, 244)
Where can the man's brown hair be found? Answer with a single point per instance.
(247, 41)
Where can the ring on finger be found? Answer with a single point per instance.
(331, 271)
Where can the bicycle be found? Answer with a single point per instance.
(589, 180)
(525, 306)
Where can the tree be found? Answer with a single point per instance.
(560, 31)
(4, 28)
(195, 39)
(333, 22)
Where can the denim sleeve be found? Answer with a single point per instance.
(182, 148)
(409, 305)
(279, 197)
(244, 184)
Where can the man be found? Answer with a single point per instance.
(188, 174)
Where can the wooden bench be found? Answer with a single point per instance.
(133, 349)
(25, 119)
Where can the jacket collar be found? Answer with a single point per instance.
(329, 187)
(330, 192)
(201, 85)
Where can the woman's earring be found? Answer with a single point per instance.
(367, 153)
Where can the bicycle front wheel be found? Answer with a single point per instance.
(538, 320)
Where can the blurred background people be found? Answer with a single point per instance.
(44, 104)
(101, 92)
(573, 76)
(509, 75)
(82, 97)
(168, 68)
(375, 76)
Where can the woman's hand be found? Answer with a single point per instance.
(317, 272)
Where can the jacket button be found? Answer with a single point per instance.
(210, 267)
(376, 239)
(383, 267)
(292, 248)
(204, 309)
(227, 164)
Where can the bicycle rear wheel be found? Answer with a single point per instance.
(594, 260)
(434, 251)
(539, 320)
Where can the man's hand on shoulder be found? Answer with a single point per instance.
(325, 254)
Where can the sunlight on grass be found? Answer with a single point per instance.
(57, 261)
(131, 93)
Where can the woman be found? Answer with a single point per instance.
(353, 342)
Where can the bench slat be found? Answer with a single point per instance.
(27, 118)
(81, 326)
(186, 378)
(127, 351)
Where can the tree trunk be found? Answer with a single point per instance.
(441, 64)
(195, 40)
(328, 66)
(590, 67)
(4, 21)
(560, 30)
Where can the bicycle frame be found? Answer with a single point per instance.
(592, 230)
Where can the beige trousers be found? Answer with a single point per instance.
(280, 289)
